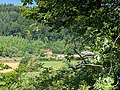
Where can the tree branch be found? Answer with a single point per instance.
(83, 65)
(74, 49)
(79, 55)
(115, 40)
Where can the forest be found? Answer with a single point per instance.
(60, 45)
(18, 34)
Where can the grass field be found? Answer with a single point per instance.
(54, 64)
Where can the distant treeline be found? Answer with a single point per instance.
(20, 36)
(12, 23)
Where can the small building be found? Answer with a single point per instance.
(48, 52)
(86, 53)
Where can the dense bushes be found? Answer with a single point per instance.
(62, 79)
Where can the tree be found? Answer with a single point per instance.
(11, 21)
(76, 14)
(91, 22)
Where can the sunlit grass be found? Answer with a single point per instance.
(56, 65)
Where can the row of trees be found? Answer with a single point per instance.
(18, 47)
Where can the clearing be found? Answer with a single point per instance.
(14, 64)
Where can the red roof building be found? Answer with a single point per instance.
(48, 52)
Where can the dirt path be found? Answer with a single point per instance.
(13, 65)
(5, 59)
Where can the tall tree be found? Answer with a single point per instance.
(95, 25)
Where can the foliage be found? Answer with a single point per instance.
(104, 84)
(12, 23)
(92, 27)
(4, 66)
(91, 22)
(17, 47)
(71, 78)
(46, 79)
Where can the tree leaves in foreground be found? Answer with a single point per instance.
(96, 25)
